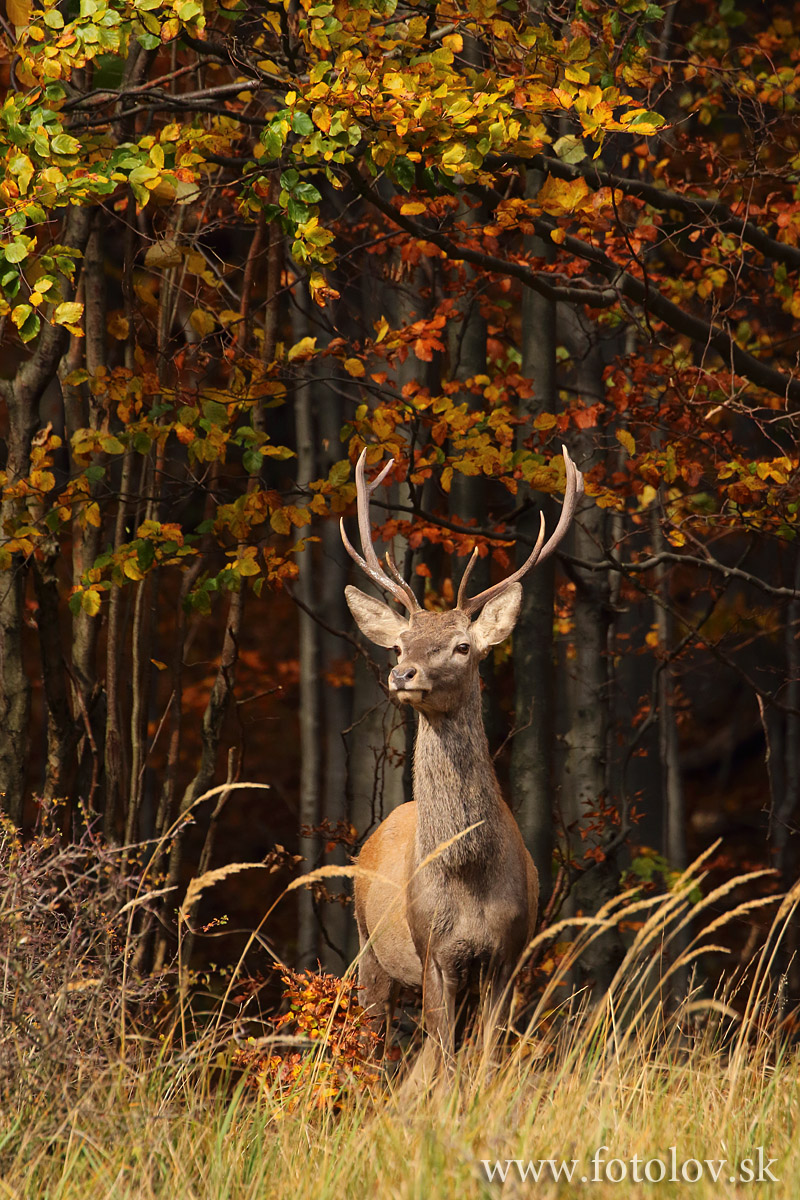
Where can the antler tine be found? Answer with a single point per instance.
(574, 489)
(462, 587)
(370, 563)
(391, 564)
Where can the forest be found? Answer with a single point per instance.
(241, 243)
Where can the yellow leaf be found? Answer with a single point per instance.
(90, 601)
(132, 569)
(625, 439)
(229, 316)
(92, 513)
(67, 312)
(118, 326)
(163, 254)
(412, 208)
(280, 521)
(18, 12)
(321, 116)
(202, 322)
(354, 366)
(302, 349)
(247, 566)
(195, 263)
(560, 197)
(161, 666)
(44, 481)
(577, 74)
(544, 421)
(557, 236)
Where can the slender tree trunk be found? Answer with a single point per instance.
(468, 494)
(310, 725)
(337, 701)
(532, 748)
(61, 728)
(213, 721)
(379, 770)
(674, 837)
(87, 539)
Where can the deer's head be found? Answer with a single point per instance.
(438, 652)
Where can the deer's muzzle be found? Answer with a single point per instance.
(406, 679)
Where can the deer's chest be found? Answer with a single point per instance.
(466, 927)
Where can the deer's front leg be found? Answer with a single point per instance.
(439, 1015)
(496, 1005)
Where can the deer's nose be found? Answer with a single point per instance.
(403, 674)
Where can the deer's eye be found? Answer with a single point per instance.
(397, 650)
(462, 648)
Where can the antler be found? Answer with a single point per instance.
(539, 553)
(370, 564)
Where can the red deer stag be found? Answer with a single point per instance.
(439, 921)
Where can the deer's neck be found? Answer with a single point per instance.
(455, 785)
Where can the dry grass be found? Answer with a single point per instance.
(82, 1117)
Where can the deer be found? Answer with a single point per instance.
(446, 892)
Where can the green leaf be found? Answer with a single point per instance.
(570, 149)
(252, 461)
(63, 143)
(302, 124)
(339, 473)
(298, 212)
(404, 172)
(307, 193)
(145, 555)
(215, 412)
(15, 253)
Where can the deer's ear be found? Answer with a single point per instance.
(381, 624)
(497, 618)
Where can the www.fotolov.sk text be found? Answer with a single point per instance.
(671, 1168)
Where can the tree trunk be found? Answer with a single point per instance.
(310, 732)
(586, 735)
(532, 747)
(22, 398)
(337, 701)
(213, 720)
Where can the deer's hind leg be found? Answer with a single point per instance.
(379, 993)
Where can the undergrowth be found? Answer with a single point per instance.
(104, 1094)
